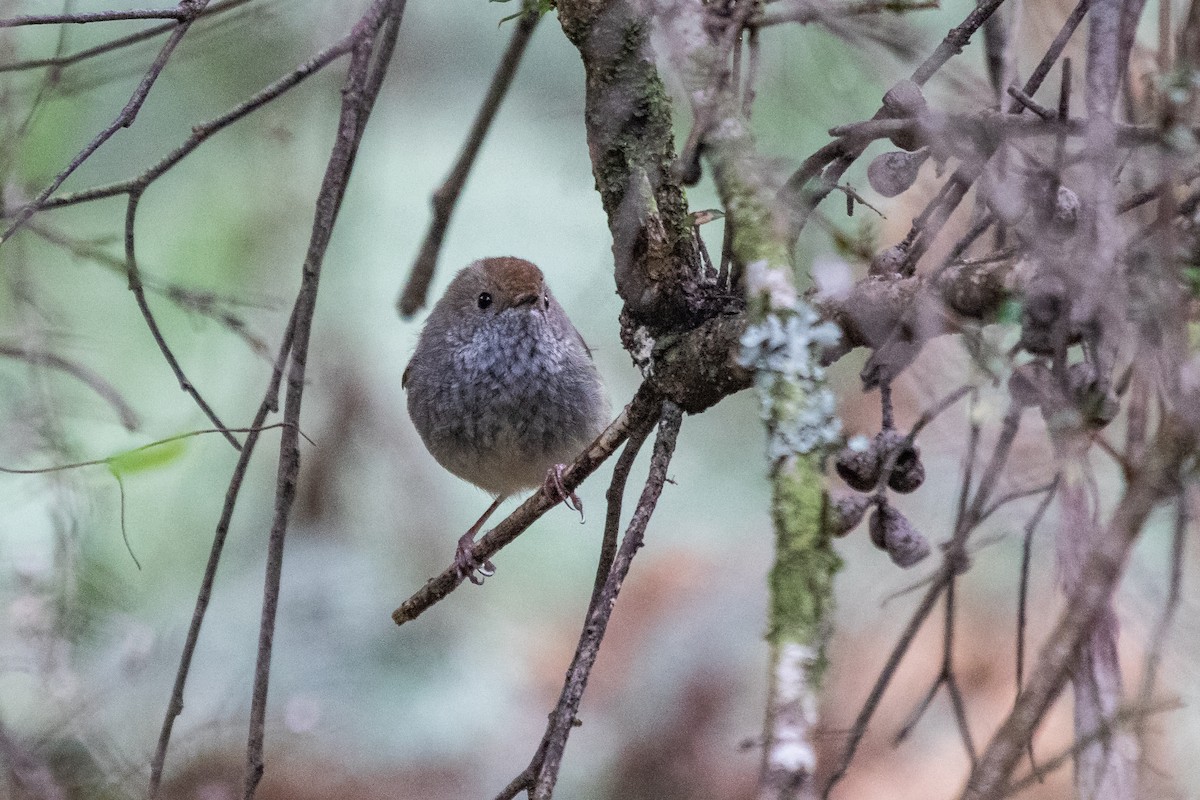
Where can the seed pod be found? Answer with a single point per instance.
(892, 531)
(859, 468)
(844, 513)
(908, 473)
(876, 527)
(904, 100)
(894, 172)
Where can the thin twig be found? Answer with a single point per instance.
(95, 462)
(951, 682)
(375, 38)
(208, 304)
(614, 496)
(1031, 104)
(178, 14)
(953, 562)
(92, 379)
(562, 719)
(139, 293)
(1155, 479)
(842, 154)
(1170, 607)
(1017, 494)
(270, 402)
(203, 131)
(59, 61)
(1112, 724)
(123, 120)
(1023, 588)
(445, 198)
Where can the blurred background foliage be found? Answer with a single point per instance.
(453, 705)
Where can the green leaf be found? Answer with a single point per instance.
(147, 457)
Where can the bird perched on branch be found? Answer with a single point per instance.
(502, 388)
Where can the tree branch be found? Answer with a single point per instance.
(444, 199)
(375, 38)
(643, 407)
(1154, 480)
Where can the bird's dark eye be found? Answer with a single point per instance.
(546, 301)
(484, 300)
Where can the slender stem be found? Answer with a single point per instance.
(563, 717)
(89, 377)
(269, 403)
(123, 120)
(139, 293)
(446, 197)
(376, 33)
(644, 406)
(177, 14)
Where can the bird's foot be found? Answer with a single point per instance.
(467, 565)
(558, 492)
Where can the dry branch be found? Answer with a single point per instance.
(641, 410)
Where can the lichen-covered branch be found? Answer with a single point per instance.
(631, 141)
(782, 343)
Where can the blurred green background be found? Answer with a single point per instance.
(454, 704)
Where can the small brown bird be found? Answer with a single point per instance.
(502, 388)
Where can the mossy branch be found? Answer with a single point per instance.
(781, 343)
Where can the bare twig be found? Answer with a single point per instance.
(203, 131)
(270, 402)
(837, 157)
(1158, 637)
(1154, 479)
(1031, 104)
(93, 380)
(1110, 725)
(208, 304)
(444, 199)
(135, 286)
(953, 562)
(123, 120)
(644, 405)
(110, 460)
(562, 719)
(60, 61)
(1023, 588)
(179, 13)
(614, 496)
(375, 38)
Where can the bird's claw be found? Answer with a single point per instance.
(467, 565)
(558, 492)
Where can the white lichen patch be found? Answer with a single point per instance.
(775, 283)
(783, 350)
(794, 710)
(642, 351)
